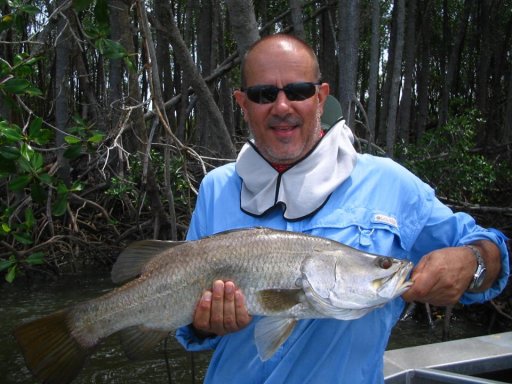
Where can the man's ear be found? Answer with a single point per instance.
(241, 100)
(323, 93)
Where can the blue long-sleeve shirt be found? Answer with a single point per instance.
(381, 208)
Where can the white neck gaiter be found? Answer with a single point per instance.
(304, 187)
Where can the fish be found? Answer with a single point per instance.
(285, 277)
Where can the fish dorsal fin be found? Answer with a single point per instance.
(132, 260)
(138, 341)
(270, 333)
(278, 300)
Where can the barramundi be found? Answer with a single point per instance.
(285, 276)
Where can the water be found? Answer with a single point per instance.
(109, 365)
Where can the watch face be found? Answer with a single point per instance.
(479, 277)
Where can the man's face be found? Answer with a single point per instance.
(284, 131)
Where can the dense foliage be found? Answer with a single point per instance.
(112, 111)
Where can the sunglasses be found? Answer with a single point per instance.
(266, 94)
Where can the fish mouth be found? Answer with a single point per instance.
(397, 280)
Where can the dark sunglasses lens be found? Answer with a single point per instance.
(265, 94)
(299, 91)
(262, 94)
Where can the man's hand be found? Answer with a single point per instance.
(442, 276)
(221, 310)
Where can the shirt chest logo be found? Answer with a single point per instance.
(380, 218)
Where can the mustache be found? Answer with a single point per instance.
(288, 120)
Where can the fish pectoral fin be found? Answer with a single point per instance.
(130, 263)
(279, 300)
(138, 341)
(270, 333)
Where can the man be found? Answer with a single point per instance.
(295, 177)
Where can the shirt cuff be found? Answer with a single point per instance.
(187, 337)
(500, 240)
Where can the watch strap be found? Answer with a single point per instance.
(480, 267)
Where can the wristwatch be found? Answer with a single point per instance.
(479, 276)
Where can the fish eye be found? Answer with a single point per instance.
(384, 262)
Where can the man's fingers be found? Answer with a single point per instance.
(221, 310)
(202, 313)
(230, 324)
(242, 316)
(217, 311)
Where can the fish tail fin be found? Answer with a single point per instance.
(51, 352)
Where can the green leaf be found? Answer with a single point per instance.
(23, 238)
(38, 193)
(77, 187)
(20, 182)
(45, 178)
(81, 5)
(96, 138)
(130, 64)
(6, 22)
(11, 274)
(111, 49)
(33, 91)
(101, 12)
(12, 133)
(29, 218)
(72, 139)
(36, 258)
(73, 151)
(16, 85)
(9, 152)
(37, 161)
(27, 151)
(60, 205)
(34, 129)
(24, 165)
(6, 228)
(4, 264)
(62, 189)
(30, 9)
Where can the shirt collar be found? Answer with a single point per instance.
(303, 188)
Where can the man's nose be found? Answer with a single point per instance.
(281, 103)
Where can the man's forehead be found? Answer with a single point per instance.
(278, 44)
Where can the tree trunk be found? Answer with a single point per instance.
(243, 24)
(394, 92)
(223, 144)
(348, 57)
(424, 69)
(453, 63)
(388, 76)
(165, 225)
(61, 83)
(297, 22)
(6, 53)
(409, 62)
(116, 67)
(374, 69)
(225, 90)
(507, 134)
(164, 60)
(327, 48)
(484, 63)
